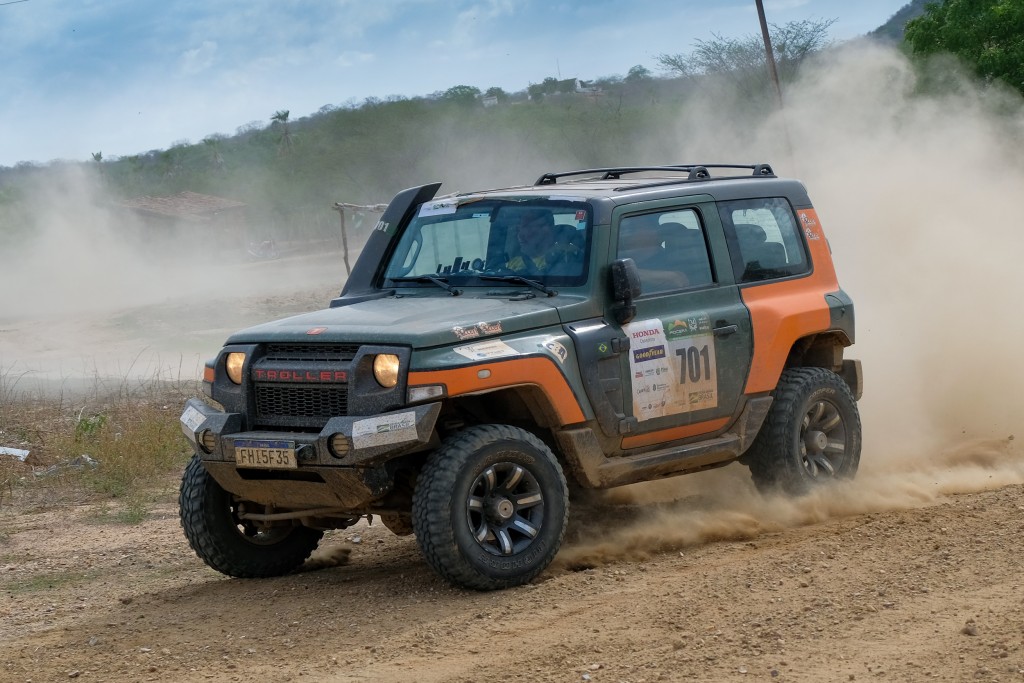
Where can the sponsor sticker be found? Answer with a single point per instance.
(463, 333)
(810, 226)
(192, 418)
(672, 363)
(439, 207)
(478, 330)
(489, 328)
(485, 350)
(384, 430)
(556, 348)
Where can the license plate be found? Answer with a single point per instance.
(269, 455)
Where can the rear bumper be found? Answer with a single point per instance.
(351, 474)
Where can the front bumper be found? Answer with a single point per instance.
(351, 477)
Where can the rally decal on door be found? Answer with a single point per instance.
(672, 366)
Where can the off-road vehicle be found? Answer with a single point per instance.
(610, 325)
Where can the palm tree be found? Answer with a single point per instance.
(280, 119)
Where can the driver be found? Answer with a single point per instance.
(539, 249)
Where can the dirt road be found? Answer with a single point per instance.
(911, 572)
(895, 577)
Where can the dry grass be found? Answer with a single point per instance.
(118, 442)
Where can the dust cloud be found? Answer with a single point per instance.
(919, 195)
(89, 292)
(917, 189)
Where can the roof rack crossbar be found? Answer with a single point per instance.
(693, 171)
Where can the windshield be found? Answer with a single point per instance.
(468, 241)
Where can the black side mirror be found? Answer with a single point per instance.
(625, 288)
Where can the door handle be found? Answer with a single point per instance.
(726, 330)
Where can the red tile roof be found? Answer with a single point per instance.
(183, 205)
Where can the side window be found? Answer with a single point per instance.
(669, 249)
(764, 240)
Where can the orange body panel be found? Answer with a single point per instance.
(782, 312)
(666, 435)
(540, 372)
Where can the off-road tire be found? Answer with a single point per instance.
(812, 433)
(490, 507)
(221, 541)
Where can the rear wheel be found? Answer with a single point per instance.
(812, 433)
(233, 546)
(490, 507)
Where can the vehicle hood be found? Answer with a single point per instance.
(416, 321)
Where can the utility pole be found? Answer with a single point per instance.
(774, 74)
(768, 52)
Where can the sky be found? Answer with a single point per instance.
(123, 77)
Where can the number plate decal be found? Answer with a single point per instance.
(672, 365)
(265, 454)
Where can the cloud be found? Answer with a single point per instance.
(352, 58)
(199, 59)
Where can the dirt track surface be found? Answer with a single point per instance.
(911, 572)
(928, 587)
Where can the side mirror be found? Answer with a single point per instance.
(625, 288)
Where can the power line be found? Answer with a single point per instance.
(12, 2)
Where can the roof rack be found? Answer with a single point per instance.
(693, 171)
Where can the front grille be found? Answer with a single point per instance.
(299, 406)
(318, 353)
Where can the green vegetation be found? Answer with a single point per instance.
(987, 35)
(123, 448)
(290, 171)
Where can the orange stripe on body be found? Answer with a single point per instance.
(782, 312)
(665, 435)
(540, 372)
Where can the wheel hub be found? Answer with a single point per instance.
(501, 509)
(816, 440)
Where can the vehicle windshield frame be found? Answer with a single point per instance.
(468, 237)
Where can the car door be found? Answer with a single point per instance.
(690, 340)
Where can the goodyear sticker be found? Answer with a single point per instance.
(672, 366)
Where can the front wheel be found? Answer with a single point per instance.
(812, 433)
(233, 546)
(490, 507)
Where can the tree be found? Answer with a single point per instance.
(97, 157)
(465, 95)
(638, 74)
(497, 93)
(985, 34)
(791, 44)
(280, 120)
(212, 143)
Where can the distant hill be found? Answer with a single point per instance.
(892, 30)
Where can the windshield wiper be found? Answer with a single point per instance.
(440, 282)
(521, 280)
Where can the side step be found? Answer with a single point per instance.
(593, 469)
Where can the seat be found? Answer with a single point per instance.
(689, 251)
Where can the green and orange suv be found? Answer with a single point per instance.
(492, 350)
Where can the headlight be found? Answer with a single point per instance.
(234, 364)
(385, 369)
